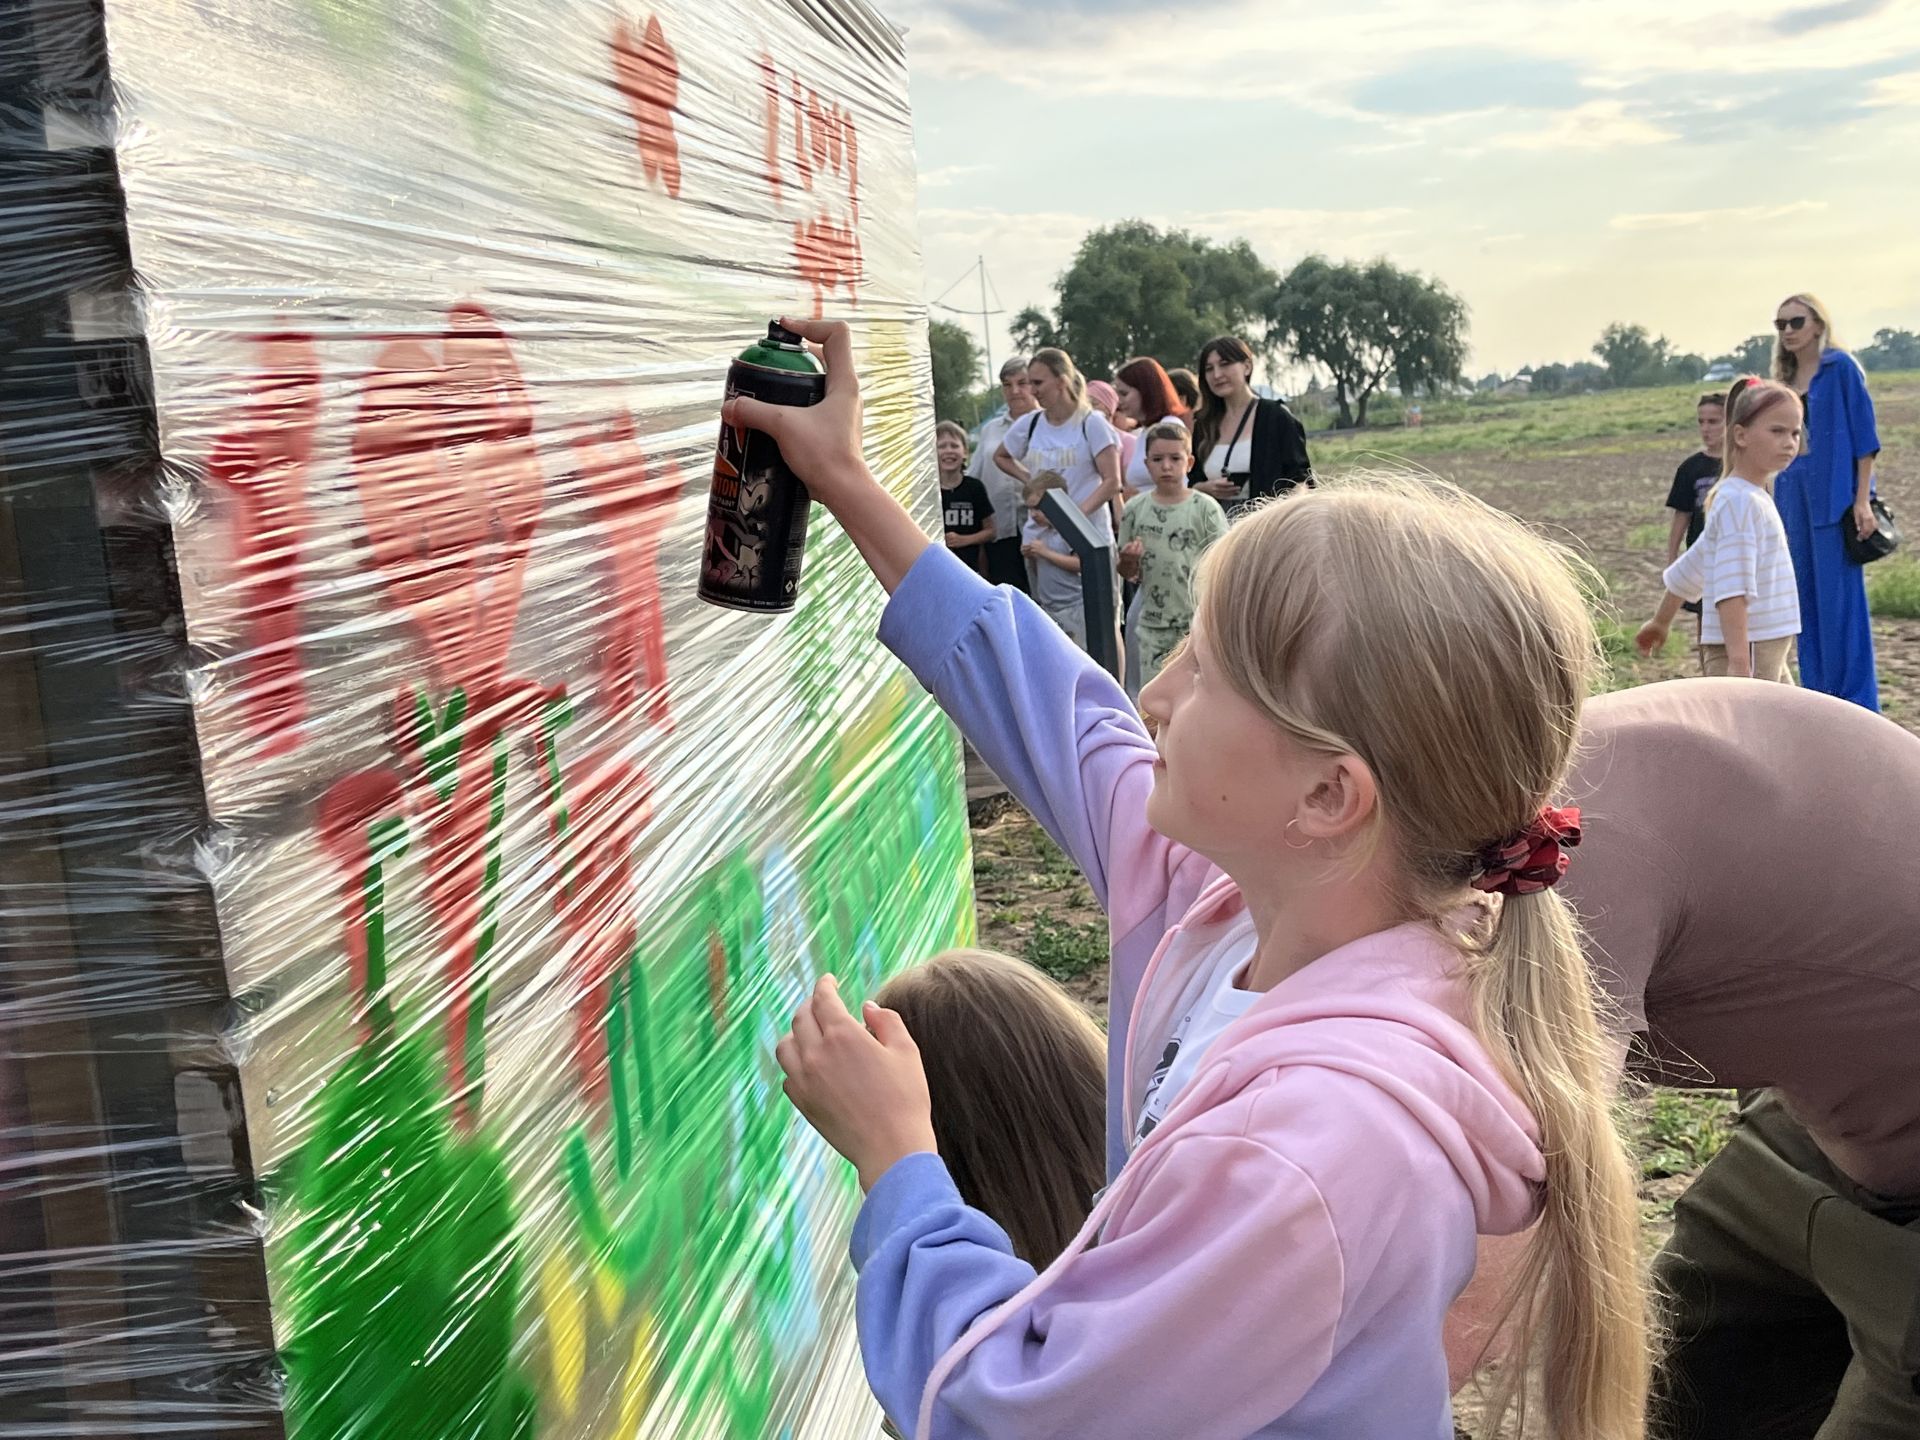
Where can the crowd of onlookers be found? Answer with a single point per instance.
(1773, 517)
(1157, 461)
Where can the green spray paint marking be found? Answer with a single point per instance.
(403, 1273)
(387, 840)
(476, 1039)
(365, 29)
(441, 736)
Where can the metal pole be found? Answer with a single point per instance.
(1096, 578)
(986, 329)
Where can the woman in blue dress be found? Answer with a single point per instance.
(1823, 493)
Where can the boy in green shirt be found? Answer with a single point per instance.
(1162, 533)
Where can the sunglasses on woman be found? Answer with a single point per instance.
(1792, 322)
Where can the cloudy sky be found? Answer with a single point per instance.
(1560, 163)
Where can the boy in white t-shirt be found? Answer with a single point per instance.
(1740, 567)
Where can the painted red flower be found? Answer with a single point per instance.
(450, 492)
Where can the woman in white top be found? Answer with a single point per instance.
(1065, 434)
(1244, 448)
(1146, 398)
(1740, 566)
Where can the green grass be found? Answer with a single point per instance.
(1623, 662)
(1893, 587)
(1065, 949)
(1548, 425)
(1651, 536)
(1678, 1131)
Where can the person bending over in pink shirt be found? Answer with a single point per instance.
(1365, 1033)
(1752, 905)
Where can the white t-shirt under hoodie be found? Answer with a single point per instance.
(1742, 551)
(1216, 1007)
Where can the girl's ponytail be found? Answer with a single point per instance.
(1579, 1300)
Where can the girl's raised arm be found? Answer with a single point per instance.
(1055, 727)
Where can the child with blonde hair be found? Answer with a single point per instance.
(1740, 567)
(1365, 1034)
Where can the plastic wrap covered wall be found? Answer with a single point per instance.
(403, 877)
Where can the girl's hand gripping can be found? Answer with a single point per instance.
(757, 511)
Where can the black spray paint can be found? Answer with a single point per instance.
(757, 511)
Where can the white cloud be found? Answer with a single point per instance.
(1596, 125)
(1317, 55)
(1896, 92)
(945, 175)
(1695, 219)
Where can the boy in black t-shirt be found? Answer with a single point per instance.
(1698, 474)
(966, 512)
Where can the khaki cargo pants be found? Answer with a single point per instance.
(1794, 1294)
(1770, 659)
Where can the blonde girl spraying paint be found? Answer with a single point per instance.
(1342, 1061)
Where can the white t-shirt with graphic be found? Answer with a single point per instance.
(1217, 1006)
(1742, 551)
(1039, 444)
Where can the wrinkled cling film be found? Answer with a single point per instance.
(403, 877)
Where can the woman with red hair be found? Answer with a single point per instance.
(1146, 397)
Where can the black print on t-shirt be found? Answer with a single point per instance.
(1154, 1082)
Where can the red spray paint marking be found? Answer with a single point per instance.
(828, 258)
(820, 140)
(450, 490)
(263, 463)
(647, 73)
(633, 503)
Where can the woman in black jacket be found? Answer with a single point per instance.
(1244, 448)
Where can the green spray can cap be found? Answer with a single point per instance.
(781, 350)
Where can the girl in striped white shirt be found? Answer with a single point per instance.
(1740, 565)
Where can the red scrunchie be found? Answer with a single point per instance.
(1533, 860)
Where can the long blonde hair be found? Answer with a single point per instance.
(1018, 1075)
(1450, 648)
(1787, 368)
(1064, 370)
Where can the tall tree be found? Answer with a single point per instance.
(1892, 350)
(1632, 355)
(1033, 329)
(1134, 289)
(1366, 324)
(1753, 356)
(956, 371)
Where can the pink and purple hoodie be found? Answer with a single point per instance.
(1277, 1257)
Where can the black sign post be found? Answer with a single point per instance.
(1096, 577)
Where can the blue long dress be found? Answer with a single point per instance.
(1815, 494)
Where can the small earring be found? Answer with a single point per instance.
(1288, 843)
